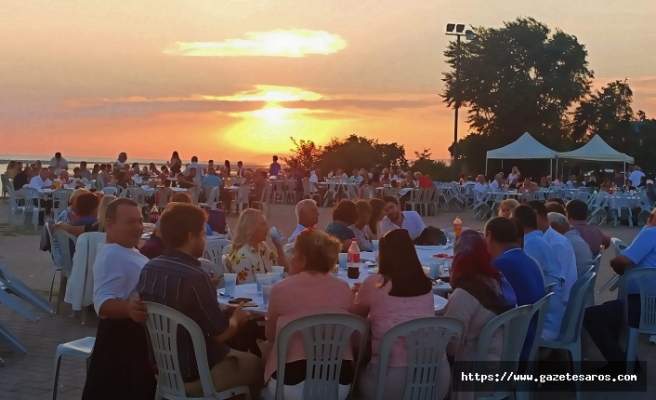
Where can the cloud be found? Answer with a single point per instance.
(295, 43)
(270, 93)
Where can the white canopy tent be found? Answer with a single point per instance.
(524, 148)
(596, 149)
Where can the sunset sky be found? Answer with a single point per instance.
(234, 79)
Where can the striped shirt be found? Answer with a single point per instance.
(176, 280)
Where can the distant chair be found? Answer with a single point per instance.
(163, 197)
(263, 203)
(60, 200)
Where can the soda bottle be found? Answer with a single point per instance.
(154, 214)
(354, 254)
(457, 226)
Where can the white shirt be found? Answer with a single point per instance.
(199, 170)
(118, 164)
(58, 165)
(37, 183)
(480, 187)
(494, 185)
(635, 177)
(512, 177)
(292, 238)
(566, 257)
(313, 179)
(412, 222)
(115, 273)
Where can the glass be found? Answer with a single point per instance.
(275, 277)
(279, 270)
(58, 183)
(353, 272)
(374, 245)
(262, 279)
(343, 258)
(266, 294)
(435, 269)
(230, 284)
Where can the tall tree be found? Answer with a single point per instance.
(521, 77)
(608, 113)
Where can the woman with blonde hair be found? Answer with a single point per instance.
(310, 289)
(250, 254)
(507, 206)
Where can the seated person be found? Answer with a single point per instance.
(250, 254)
(480, 293)
(399, 292)
(185, 183)
(396, 219)
(310, 289)
(603, 322)
(345, 214)
(175, 279)
(361, 228)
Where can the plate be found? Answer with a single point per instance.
(249, 304)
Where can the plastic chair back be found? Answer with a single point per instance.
(540, 308)
(224, 257)
(214, 252)
(326, 337)
(513, 325)
(65, 240)
(646, 280)
(426, 341)
(162, 324)
(570, 330)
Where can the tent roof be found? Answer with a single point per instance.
(526, 147)
(597, 150)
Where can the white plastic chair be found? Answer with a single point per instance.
(242, 198)
(214, 252)
(80, 348)
(326, 337)
(212, 198)
(60, 200)
(426, 341)
(614, 282)
(109, 190)
(598, 207)
(163, 196)
(224, 257)
(514, 326)
(162, 324)
(15, 286)
(645, 277)
(194, 192)
(64, 238)
(263, 202)
(569, 337)
(28, 207)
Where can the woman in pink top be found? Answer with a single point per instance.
(310, 290)
(398, 293)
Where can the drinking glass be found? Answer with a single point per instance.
(262, 279)
(275, 277)
(343, 258)
(374, 245)
(230, 284)
(279, 270)
(266, 294)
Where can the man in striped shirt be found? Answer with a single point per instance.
(175, 279)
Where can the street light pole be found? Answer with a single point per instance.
(457, 30)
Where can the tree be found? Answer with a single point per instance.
(304, 156)
(519, 78)
(437, 170)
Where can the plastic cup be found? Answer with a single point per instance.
(275, 235)
(374, 244)
(279, 270)
(266, 294)
(275, 277)
(230, 281)
(262, 279)
(343, 258)
(434, 269)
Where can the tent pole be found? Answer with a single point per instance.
(485, 166)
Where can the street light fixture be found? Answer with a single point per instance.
(457, 30)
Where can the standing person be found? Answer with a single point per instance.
(227, 167)
(176, 279)
(121, 162)
(513, 178)
(274, 168)
(58, 162)
(240, 169)
(120, 368)
(175, 164)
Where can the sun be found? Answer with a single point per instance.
(274, 114)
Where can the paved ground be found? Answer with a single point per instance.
(30, 377)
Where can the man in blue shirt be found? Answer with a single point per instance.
(535, 246)
(603, 322)
(211, 179)
(274, 168)
(520, 270)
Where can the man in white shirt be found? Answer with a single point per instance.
(497, 182)
(307, 215)
(120, 367)
(397, 219)
(636, 176)
(513, 177)
(58, 162)
(560, 245)
(120, 163)
(314, 181)
(200, 171)
(41, 181)
(480, 185)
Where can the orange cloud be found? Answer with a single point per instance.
(293, 43)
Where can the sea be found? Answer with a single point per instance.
(74, 162)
